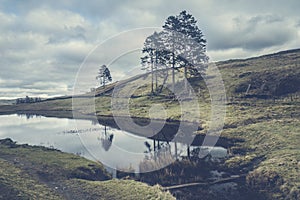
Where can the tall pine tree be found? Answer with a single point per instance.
(104, 75)
(186, 43)
(153, 58)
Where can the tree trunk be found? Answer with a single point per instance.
(188, 152)
(156, 82)
(103, 82)
(156, 63)
(173, 73)
(176, 156)
(152, 78)
(151, 60)
(185, 78)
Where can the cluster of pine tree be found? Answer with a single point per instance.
(180, 45)
(28, 99)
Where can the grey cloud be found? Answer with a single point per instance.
(76, 33)
(45, 42)
(9, 83)
(93, 9)
(42, 85)
(259, 20)
(255, 33)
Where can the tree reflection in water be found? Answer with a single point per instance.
(106, 139)
(157, 158)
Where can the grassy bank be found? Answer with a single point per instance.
(32, 172)
(270, 152)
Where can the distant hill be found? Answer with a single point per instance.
(267, 76)
(7, 101)
(272, 75)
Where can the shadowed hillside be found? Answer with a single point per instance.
(262, 116)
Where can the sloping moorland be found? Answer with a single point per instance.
(262, 112)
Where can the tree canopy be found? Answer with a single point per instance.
(104, 75)
(181, 44)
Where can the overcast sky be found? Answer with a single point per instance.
(43, 43)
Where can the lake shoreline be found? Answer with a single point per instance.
(8, 147)
(37, 172)
(108, 120)
(256, 141)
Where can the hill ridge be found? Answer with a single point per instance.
(259, 56)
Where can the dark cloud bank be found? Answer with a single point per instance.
(43, 43)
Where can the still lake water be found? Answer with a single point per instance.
(112, 147)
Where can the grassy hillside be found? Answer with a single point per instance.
(270, 76)
(266, 117)
(31, 172)
(273, 75)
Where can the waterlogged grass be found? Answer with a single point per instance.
(28, 172)
(118, 189)
(277, 143)
(244, 112)
(16, 184)
(52, 164)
